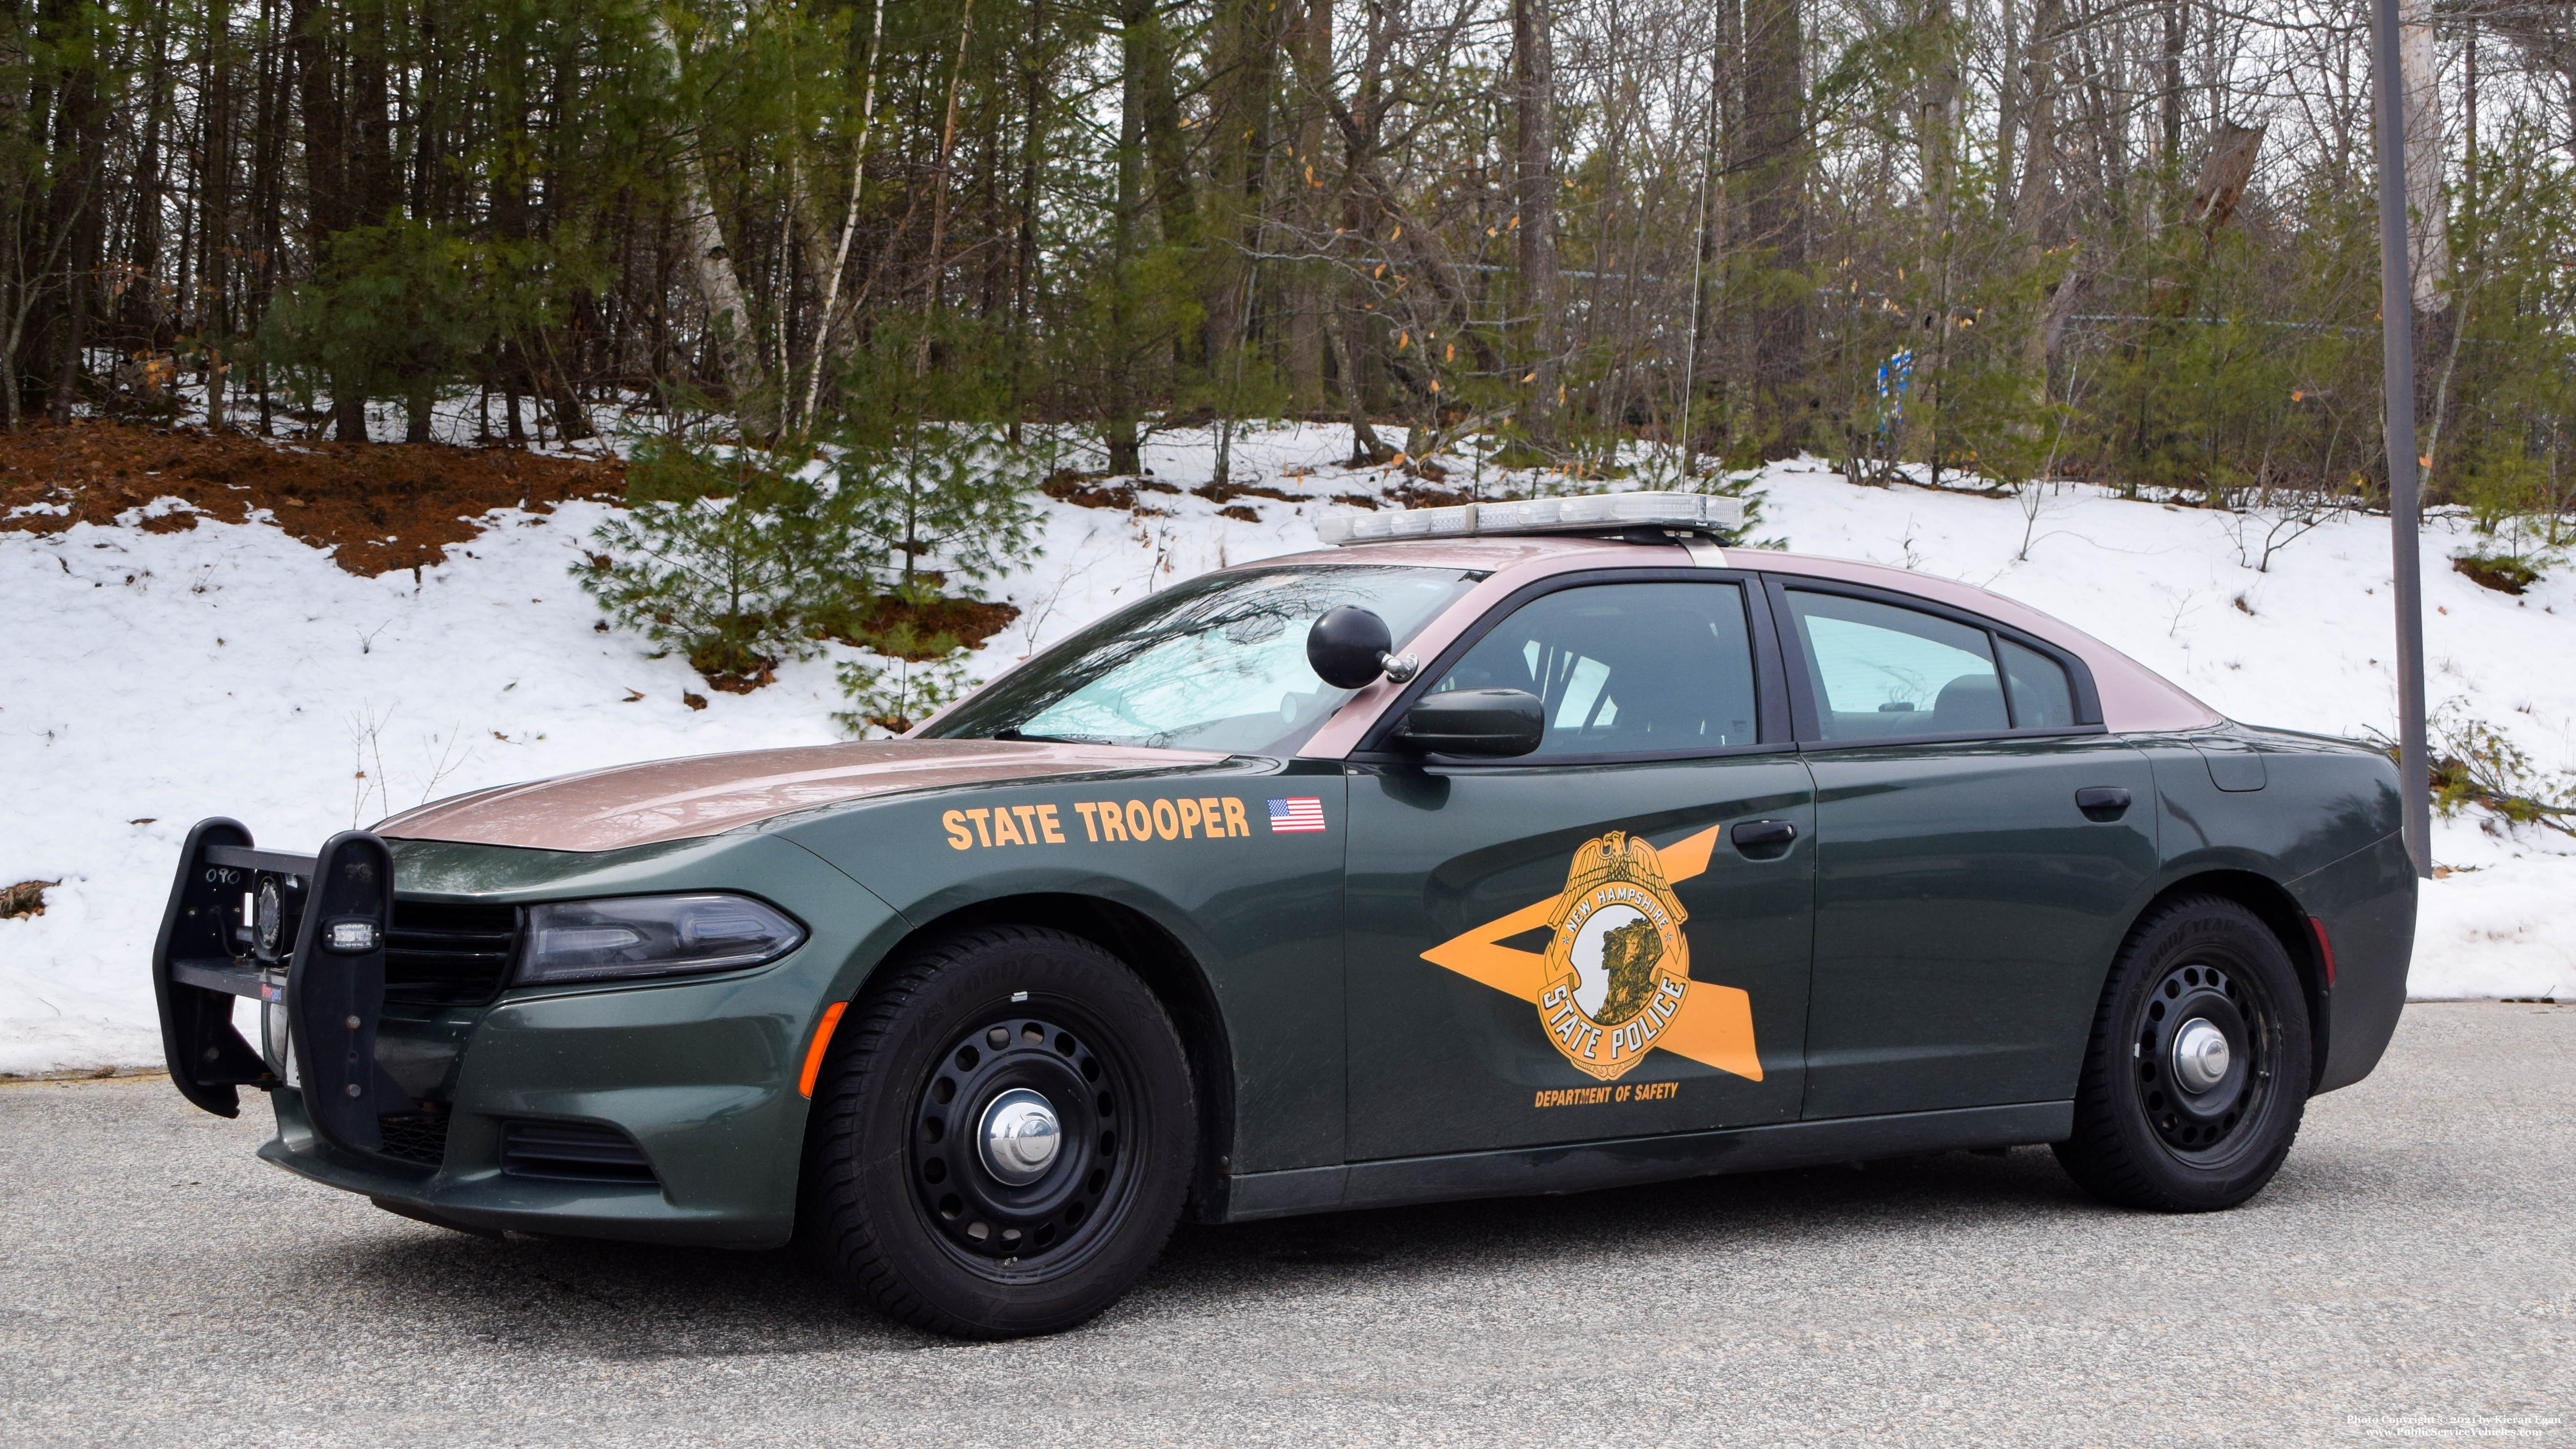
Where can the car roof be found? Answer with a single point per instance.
(2135, 699)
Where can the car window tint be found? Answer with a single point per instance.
(2043, 698)
(1881, 672)
(1625, 668)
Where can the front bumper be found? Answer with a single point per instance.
(696, 1079)
(700, 1080)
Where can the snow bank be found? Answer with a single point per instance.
(153, 679)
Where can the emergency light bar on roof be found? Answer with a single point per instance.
(1589, 513)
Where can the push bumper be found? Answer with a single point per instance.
(309, 935)
(662, 1111)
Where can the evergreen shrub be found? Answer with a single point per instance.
(729, 555)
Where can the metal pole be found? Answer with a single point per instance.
(2405, 503)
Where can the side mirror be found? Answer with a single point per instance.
(1349, 648)
(1493, 723)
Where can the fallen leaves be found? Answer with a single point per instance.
(382, 506)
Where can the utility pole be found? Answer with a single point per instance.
(2405, 503)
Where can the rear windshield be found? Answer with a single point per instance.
(1218, 663)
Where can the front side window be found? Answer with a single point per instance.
(1883, 672)
(1648, 668)
(1218, 663)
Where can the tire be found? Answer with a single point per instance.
(922, 1220)
(2161, 1126)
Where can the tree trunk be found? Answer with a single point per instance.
(1535, 188)
(2035, 200)
(1309, 291)
(2169, 88)
(2428, 243)
(711, 268)
(1775, 98)
(79, 120)
(1033, 96)
(1936, 118)
(329, 207)
(1137, 50)
(215, 226)
(1365, 446)
(936, 261)
(1248, 36)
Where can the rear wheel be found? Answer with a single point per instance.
(1002, 1135)
(2197, 1073)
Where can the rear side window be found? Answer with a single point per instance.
(1625, 668)
(1883, 672)
(2043, 698)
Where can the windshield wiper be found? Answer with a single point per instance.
(1015, 736)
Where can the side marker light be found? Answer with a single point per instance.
(822, 1039)
(2325, 948)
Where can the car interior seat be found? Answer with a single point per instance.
(1969, 704)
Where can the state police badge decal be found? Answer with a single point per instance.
(1614, 983)
(1618, 965)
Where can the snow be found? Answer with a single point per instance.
(154, 679)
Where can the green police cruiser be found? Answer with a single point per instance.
(1526, 847)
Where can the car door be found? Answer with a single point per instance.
(1979, 843)
(1572, 945)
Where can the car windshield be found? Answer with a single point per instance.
(1218, 663)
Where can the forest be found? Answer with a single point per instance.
(2125, 241)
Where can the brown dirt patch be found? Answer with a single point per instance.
(1414, 495)
(1082, 491)
(1228, 492)
(2505, 575)
(912, 629)
(1091, 490)
(382, 506)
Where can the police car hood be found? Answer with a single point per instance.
(709, 794)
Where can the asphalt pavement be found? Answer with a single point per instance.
(2409, 1277)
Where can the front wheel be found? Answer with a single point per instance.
(2198, 1069)
(1002, 1135)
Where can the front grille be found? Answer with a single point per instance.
(415, 1137)
(573, 1152)
(442, 953)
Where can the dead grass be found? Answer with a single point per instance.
(25, 900)
(381, 506)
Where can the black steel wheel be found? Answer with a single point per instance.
(1015, 1154)
(2197, 1073)
(1002, 1135)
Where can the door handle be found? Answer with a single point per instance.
(2102, 802)
(1755, 835)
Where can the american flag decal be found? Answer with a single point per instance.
(1288, 817)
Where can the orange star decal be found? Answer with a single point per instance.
(1614, 983)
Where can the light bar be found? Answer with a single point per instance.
(1588, 513)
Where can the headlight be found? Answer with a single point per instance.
(634, 936)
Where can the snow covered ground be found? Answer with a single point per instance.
(151, 679)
